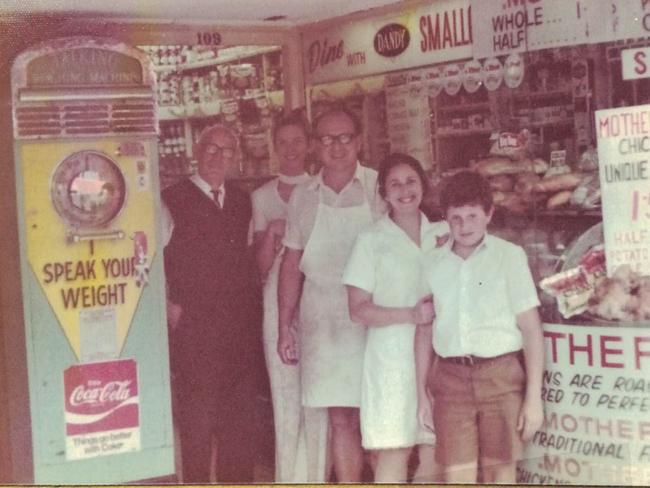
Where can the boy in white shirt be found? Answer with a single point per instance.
(487, 403)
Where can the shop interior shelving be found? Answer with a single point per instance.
(198, 86)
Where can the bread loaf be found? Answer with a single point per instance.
(557, 183)
(501, 183)
(559, 199)
(525, 182)
(505, 166)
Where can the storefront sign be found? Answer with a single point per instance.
(510, 26)
(101, 409)
(596, 393)
(82, 67)
(407, 116)
(437, 32)
(635, 63)
(392, 40)
(623, 147)
(90, 237)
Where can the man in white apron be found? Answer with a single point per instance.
(324, 218)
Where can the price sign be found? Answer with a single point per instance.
(623, 152)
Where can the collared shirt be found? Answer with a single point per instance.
(388, 264)
(166, 216)
(478, 298)
(304, 200)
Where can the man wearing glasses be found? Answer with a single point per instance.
(324, 218)
(214, 313)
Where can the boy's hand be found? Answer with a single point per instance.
(425, 415)
(423, 311)
(530, 418)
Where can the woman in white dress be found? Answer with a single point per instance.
(386, 295)
(297, 434)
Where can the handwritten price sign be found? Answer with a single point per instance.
(623, 153)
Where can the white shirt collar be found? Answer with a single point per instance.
(205, 187)
(448, 246)
(318, 179)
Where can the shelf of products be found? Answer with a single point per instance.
(198, 86)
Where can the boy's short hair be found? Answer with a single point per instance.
(466, 188)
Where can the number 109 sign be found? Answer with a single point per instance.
(623, 152)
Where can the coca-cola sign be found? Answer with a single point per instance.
(101, 397)
(392, 40)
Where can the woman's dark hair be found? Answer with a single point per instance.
(293, 118)
(397, 159)
(466, 188)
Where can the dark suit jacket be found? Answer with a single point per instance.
(211, 274)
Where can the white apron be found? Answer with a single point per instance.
(300, 439)
(331, 345)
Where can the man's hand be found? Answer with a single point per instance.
(174, 312)
(530, 418)
(288, 345)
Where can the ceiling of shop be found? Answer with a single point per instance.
(294, 12)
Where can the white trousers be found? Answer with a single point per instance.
(300, 433)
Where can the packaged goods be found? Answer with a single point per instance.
(574, 288)
(587, 193)
(511, 145)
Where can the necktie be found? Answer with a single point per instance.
(215, 197)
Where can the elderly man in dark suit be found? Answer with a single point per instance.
(214, 313)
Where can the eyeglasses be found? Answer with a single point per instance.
(214, 149)
(328, 140)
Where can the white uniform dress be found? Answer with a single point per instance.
(300, 437)
(388, 264)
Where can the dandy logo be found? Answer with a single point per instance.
(113, 391)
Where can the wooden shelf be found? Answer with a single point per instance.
(218, 60)
(536, 95)
(470, 107)
(462, 133)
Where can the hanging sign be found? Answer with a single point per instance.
(623, 136)
(635, 63)
(513, 70)
(596, 395)
(452, 75)
(436, 32)
(472, 76)
(510, 26)
(433, 79)
(493, 73)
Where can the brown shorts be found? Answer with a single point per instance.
(476, 408)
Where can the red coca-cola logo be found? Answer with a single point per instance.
(113, 391)
(101, 397)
